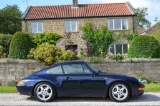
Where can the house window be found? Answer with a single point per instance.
(37, 27)
(71, 26)
(118, 49)
(117, 24)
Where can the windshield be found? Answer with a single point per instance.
(94, 69)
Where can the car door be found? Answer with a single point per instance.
(92, 85)
(71, 84)
(79, 81)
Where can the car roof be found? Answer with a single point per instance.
(72, 61)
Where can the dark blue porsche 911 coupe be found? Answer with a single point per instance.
(78, 79)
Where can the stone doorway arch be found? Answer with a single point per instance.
(73, 42)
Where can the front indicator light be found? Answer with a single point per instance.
(141, 89)
(20, 83)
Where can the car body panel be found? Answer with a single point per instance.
(78, 85)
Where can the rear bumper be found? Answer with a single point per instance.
(25, 90)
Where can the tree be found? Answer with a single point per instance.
(10, 19)
(155, 20)
(141, 16)
(20, 46)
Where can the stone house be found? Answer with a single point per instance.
(152, 29)
(67, 20)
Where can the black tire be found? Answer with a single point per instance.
(119, 92)
(44, 92)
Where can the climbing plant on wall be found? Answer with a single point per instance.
(98, 39)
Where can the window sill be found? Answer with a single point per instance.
(37, 33)
(72, 32)
(118, 30)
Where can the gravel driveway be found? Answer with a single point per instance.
(17, 99)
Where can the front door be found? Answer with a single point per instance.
(80, 82)
(72, 48)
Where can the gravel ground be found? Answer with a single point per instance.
(17, 99)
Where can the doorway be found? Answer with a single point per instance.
(72, 48)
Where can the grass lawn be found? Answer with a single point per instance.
(152, 87)
(8, 89)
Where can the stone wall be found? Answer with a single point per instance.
(145, 68)
(13, 70)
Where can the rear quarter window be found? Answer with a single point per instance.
(55, 70)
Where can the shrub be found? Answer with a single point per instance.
(46, 37)
(20, 46)
(144, 47)
(50, 54)
(118, 57)
(5, 40)
(157, 35)
(68, 55)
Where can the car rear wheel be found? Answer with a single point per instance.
(119, 92)
(44, 92)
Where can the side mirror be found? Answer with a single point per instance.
(95, 74)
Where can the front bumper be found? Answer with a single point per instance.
(138, 91)
(25, 90)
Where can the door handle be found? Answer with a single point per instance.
(68, 78)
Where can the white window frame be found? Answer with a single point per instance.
(114, 45)
(71, 27)
(113, 20)
(37, 27)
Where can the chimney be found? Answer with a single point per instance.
(75, 3)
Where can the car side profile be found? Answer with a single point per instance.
(78, 79)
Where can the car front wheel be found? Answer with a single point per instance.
(119, 92)
(44, 92)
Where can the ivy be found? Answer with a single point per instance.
(128, 36)
(98, 39)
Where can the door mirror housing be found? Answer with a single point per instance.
(95, 74)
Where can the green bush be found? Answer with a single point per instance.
(5, 40)
(144, 47)
(68, 55)
(50, 54)
(20, 46)
(157, 35)
(118, 57)
(46, 37)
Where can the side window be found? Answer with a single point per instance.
(86, 70)
(71, 26)
(37, 27)
(55, 70)
(73, 69)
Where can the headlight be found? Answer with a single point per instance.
(20, 83)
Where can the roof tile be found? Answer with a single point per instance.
(86, 10)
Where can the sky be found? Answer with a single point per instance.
(152, 5)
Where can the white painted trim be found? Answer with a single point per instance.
(113, 19)
(37, 27)
(129, 8)
(70, 24)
